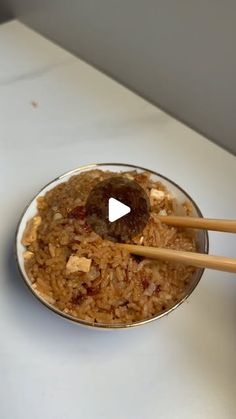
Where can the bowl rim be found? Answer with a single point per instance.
(111, 326)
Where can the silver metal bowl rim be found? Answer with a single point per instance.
(106, 325)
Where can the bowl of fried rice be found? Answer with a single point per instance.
(90, 280)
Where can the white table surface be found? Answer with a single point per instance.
(183, 366)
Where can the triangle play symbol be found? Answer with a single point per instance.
(116, 209)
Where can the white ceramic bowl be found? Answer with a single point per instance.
(176, 191)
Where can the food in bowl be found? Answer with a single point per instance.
(91, 279)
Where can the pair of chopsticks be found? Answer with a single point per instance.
(199, 260)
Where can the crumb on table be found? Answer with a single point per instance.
(34, 104)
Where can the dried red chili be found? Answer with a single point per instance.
(78, 212)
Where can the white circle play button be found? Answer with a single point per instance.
(116, 209)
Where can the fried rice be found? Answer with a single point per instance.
(91, 279)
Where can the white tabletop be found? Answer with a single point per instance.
(57, 113)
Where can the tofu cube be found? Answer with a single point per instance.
(30, 233)
(156, 195)
(163, 212)
(76, 263)
(27, 255)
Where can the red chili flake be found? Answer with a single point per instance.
(77, 299)
(87, 228)
(145, 283)
(92, 291)
(163, 307)
(77, 212)
(158, 289)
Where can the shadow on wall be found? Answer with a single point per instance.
(5, 14)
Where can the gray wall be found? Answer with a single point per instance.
(179, 54)
(4, 13)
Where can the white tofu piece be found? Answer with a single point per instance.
(41, 202)
(129, 176)
(76, 263)
(157, 195)
(162, 212)
(30, 233)
(27, 255)
(57, 216)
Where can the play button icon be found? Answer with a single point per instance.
(116, 209)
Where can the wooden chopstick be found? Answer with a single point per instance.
(199, 260)
(228, 226)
